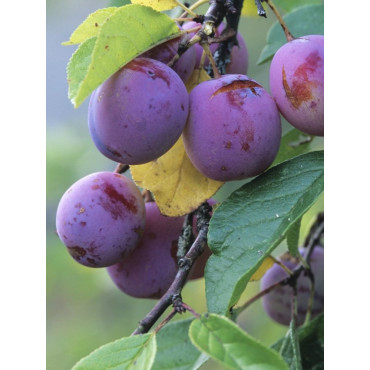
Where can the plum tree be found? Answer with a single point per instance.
(150, 269)
(278, 303)
(138, 113)
(297, 83)
(241, 123)
(101, 219)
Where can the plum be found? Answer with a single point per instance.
(101, 219)
(150, 269)
(138, 114)
(297, 83)
(233, 130)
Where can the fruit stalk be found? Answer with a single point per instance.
(288, 35)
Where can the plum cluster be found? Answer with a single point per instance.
(231, 130)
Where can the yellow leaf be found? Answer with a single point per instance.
(178, 187)
(157, 4)
(249, 9)
(266, 264)
(198, 76)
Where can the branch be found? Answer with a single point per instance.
(173, 294)
(121, 168)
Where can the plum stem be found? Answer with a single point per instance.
(285, 28)
(165, 321)
(121, 168)
(285, 268)
(186, 9)
(173, 294)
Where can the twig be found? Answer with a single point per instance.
(173, 294)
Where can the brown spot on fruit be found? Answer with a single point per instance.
(228, 145)
(117, 197)
(237, 85)
(77, 252)
(82, 223)
(95, 187)
(302, 83)
(106, 47)
(245, 146)
(223, 168)
(150, 69)
(91, 260)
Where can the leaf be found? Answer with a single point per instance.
(253, 220)
(90, 27)
(199, 75)
(79, 65)
(127, 33)
(178, 187)
(175, 350)
(137, 352)
(302, 21)
(266, 264)
(249, 9)
(226, 343)
(292, 237)
(288, 5)
(157, 4)
(311, 343)
(294, 143)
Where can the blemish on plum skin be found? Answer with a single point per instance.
(91, 260)
(82, 223)
(223, 168)
(77, 252)
(95, 187)
(145, 66)
(245, 146)
(81, 210)
(300, 90)
(228, 145)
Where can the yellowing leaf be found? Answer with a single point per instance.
(266, 264)
(178, 187)
(249, 9)
(198, 76)
(157, 4)
(90, 27)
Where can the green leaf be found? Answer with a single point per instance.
(78, 65)
(311, 343)
(90, 27)
(294, 143)
(302, 21)
(292, 237)
(226, 343)
(253, 220)
(288, 5)
(175, 350)
(127, 33)
(137, 351)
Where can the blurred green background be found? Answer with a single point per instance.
(84, 309)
